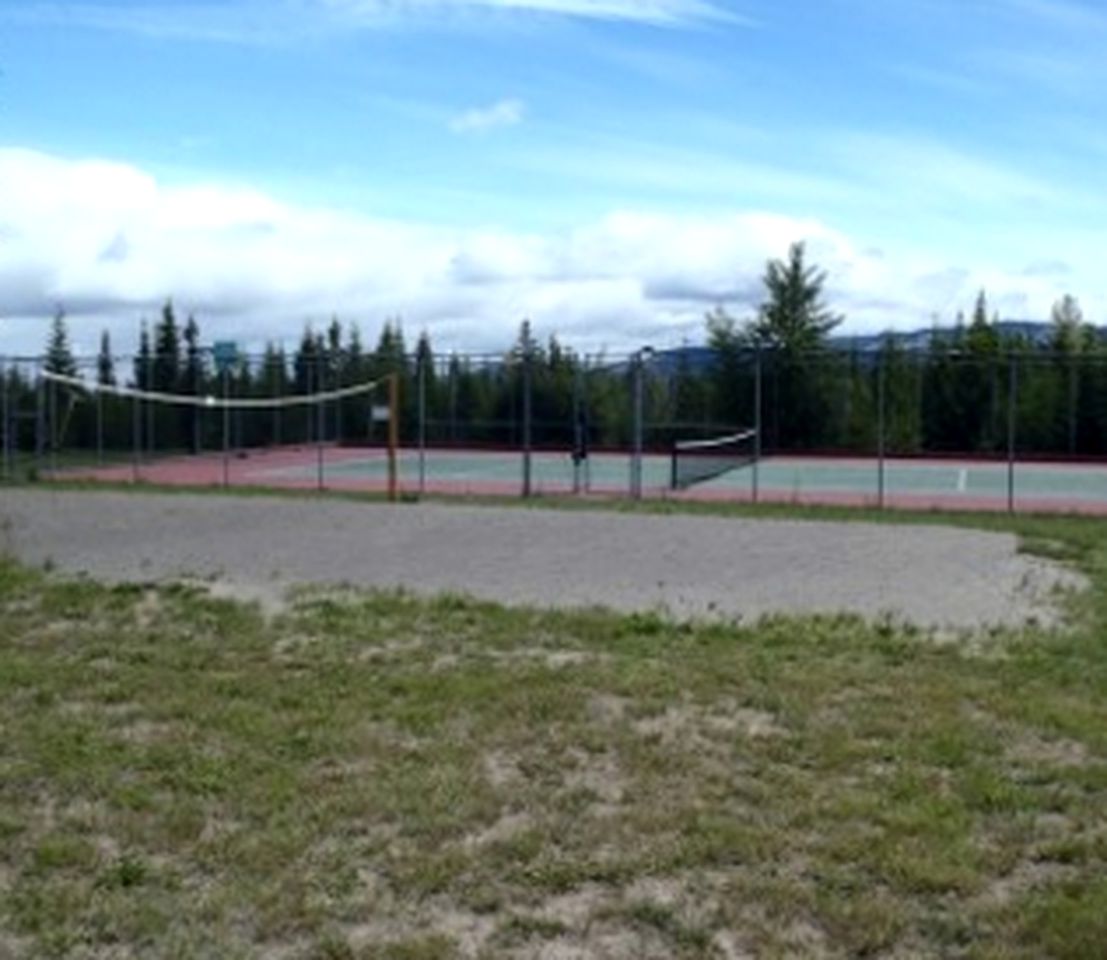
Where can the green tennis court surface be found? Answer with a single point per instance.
(953, 484)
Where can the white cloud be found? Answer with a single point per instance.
(277, 22)
(109, 242)
(654, 12)
(245, 22)
(504, 113)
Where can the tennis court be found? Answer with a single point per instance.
(903, 483)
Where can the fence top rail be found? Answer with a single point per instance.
(606, 361)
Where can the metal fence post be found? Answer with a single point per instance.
(40, 420)
(320, 428)
(636, 449)
(5, 418)
(527, 374)
(1074, 394)
(150, 412)
(755, 473)
(881, 427)
(1012, 426)
(99, 427)
(422, 373)
(136, 436)
(453, 374)
(53, 415)
(309, 425)
(197, 412)
(578, 431)
(226, 426)
(278, 391)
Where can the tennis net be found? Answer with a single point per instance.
(696, 461)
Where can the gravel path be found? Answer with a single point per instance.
(688, 566)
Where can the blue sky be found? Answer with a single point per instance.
(610, 168)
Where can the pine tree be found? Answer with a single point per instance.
(982, 339)
(274, 372)
(167, 352)
(334, 350)
(193, 373)
(791, 326)
(726, 378)
(424, 362)
(193, 378)
(59, 356)
(105, 362)
(1069, 334)
(793, 317)
(305, 362)
(687, 389)
(1070, 338)
(142, 362)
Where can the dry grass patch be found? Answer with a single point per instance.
(376, 776)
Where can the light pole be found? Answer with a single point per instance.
(641, 357)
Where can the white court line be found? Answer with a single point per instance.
(962, 480)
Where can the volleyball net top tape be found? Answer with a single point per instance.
(212, 401)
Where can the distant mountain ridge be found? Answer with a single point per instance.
(699, 358)
(1035, 331)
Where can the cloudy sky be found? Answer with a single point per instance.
(609, 168)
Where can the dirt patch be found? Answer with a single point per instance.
(501, 769)
(596, 773)
(687, 567)
(1037, 751)
(689, 724)
(503, 829)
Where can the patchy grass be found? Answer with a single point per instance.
(376, 776)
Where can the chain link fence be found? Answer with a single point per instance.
(944, 428)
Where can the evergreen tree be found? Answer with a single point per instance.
(982, 339)
(390, 353)
(688, 394)
(305, 363)
(424, 363)
(902, 389)
(59, 356)
(1069, 333)
(1070, 339)
(167, 352)
(193, 374)
(143, 374)
(105, 362)
(390, 357)
(355, 364)
(730, 382)
(793, 324)
(273, 374)
(305, 367)
(793, 317)
(193, 380)
(334, 350)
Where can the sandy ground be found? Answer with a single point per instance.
(684, 566)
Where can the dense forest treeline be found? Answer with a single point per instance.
(973, 390)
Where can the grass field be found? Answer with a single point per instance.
(376, 776)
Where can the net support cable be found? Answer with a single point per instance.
(210, 401)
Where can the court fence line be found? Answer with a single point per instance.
(882, 406)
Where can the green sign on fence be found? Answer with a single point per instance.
(225, 353)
